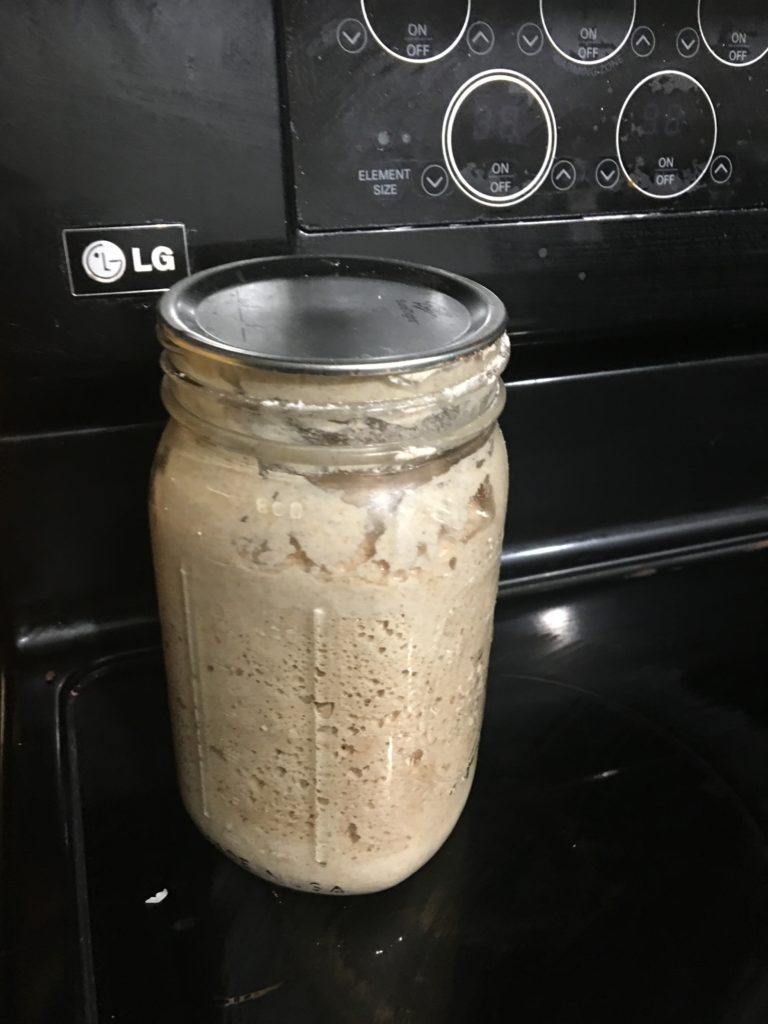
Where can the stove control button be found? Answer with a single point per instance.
(721, 170)
(734, 31)
(666, 134)
(416, 31)
(499, 138)
(588, 33)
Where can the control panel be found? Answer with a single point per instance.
(421, 112)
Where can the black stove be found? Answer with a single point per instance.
(611, 862)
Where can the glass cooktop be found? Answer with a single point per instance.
(610, 864)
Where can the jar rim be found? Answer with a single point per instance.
(330, 315)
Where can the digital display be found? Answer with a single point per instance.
(667, 121)
(505, 121)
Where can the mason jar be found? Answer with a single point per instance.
(327, 510)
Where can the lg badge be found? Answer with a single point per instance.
(125, 260)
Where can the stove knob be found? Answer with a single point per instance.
(734, 31)
(499, 138)
(588, 33)
(666, 134)
(416, 31)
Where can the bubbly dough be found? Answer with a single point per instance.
(326, 641)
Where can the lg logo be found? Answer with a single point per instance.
(105, 262)
(125, 260)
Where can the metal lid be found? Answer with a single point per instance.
(323, 314)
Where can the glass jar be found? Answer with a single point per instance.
(327, 511)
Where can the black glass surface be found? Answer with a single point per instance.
(357, 118)
(736, 31)
(588, 32)
(666, 134)
(500, 138)
(418, 30)
(610, 864)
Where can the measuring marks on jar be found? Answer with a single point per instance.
(191, 637)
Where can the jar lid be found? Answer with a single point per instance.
(323, 314)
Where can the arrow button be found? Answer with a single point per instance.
(643, 41)
(607, 173)
(480, 38)
(434, 180)
(721, 169)
(530, 39)
(351, 35)
(563, 175)
(688, 42)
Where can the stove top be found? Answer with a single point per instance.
(610, 864)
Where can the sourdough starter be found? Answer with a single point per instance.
(326, 639)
